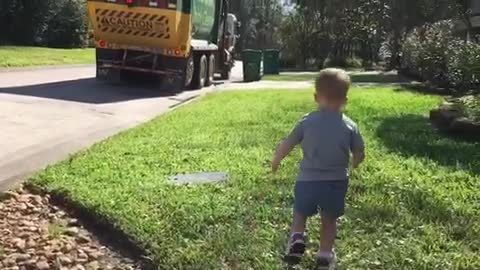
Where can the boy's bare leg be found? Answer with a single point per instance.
(299, 223)
(296, 244)
(328, 232)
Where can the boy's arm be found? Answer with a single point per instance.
(286, 146)
(357, 158)
(358, 148)
(283, 149)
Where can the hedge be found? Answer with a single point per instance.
(52, 23)
(436, 55)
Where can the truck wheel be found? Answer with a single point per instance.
(171, 84)
(189, 71)
(177, 84)
(108, 75)
(200, 73)
(211, 70)
(105, 74)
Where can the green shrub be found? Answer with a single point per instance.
(60, 23)
(288, 63)
(470, 106)
(426, 51)
(23, 20)
(68, 28)
(343, 62)
(434, 54)
(464, 66)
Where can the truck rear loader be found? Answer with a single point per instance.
(184, 41)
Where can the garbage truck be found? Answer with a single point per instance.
(184, 42)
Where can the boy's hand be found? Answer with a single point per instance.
(275, 166)
(283, 149)
(357, 158)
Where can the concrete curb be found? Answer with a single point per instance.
(51, 67)
(17, 169)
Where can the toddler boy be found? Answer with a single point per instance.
(327, 138)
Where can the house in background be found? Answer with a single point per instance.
(475, 6)
(474, 20)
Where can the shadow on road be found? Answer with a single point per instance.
(91, 91)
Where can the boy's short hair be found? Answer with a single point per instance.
(333, 83)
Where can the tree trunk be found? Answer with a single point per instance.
(468, 24)
(396, 47)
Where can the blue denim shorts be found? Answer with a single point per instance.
(326, 196)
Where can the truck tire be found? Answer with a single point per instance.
(211, 70)
(200, 73)
(108, 75)
(171, 85)
(189, 71)
(105, 74)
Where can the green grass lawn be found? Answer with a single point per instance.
(357, 77)
(13, 56)
(415, 203)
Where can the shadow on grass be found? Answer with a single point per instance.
(459, 224)
(412, 135)
(421, 88)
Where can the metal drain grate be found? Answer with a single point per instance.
(199, 178)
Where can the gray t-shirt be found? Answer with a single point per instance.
(327, 138)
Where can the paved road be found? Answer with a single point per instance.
(48, 113)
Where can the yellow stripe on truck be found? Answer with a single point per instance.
(141, 27)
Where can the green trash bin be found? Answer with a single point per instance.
(271, 61)
(252, 65)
